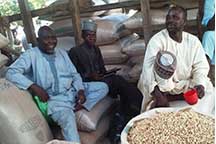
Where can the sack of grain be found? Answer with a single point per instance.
(3, 71)
(169, 125)
(95, 136)
(109, 30)
(135, 49)
(20, 120)
(112, 54)
(88, 121)
(55, 141)
(65, 43)
(136, 21)
(63, 27)
(3, 41)
(3, 60)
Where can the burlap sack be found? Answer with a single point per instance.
(20, 120)
(65, 43)
(88, 121)
(136, 21)
(95, 136)
(112, 54)
(3, 60)
(3, 71)
(109, 30)
(3, 41)
(60, 142)
(63, 27)
(134, 49)
(128, 40)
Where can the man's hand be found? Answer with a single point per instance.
(160, 99)
(96, 76)
(38, 91)
(200, 90)
(211, 24)
(80, 97)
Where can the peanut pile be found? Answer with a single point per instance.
(183, 127)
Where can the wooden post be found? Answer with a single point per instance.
(147, 28)
(3, 23)
(27, 22)
(75, 13)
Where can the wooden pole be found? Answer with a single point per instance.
(27, 22)
(75, 13)
(147, 28)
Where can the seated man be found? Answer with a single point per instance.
(174, 63)
(208, 39)
(90, 64)
(48, 73)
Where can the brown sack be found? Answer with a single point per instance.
(109, 31)
(135, 49)
(20, 120)
(3, 60)
(136, 21)
(3, 41)
(88, 121)
(112, 54)
(95, 136)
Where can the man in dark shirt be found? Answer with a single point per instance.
(89, 63)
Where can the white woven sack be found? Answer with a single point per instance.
(134, 49)
(60, 142)
(109, 31)
(88, 121)
(95, 136)
(3, 60)
(158, 16)
(3, 41)
(20, 120)
(112, 54)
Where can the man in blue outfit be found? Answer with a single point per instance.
(208, 39)
(48, 73)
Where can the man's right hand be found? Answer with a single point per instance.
(160, 99)
(40, 92)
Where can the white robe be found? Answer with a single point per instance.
(192, 69)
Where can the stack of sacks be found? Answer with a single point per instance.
(127, 53)
(136, 21)
(158, 16)
(64, 12)
(3, 59)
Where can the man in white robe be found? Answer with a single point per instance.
(191, 69)
(49, 73)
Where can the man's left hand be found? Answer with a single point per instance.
(80, 97)
(200, 90)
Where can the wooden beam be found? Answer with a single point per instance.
(147, 28)
(65, 6)
(27, 22)
(75, 13)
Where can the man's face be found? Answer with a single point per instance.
(48, 41)
(175, 21)
(90, 37)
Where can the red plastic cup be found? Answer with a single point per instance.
(191, 97)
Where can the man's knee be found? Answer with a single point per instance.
(101, 86)
(63, 117)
